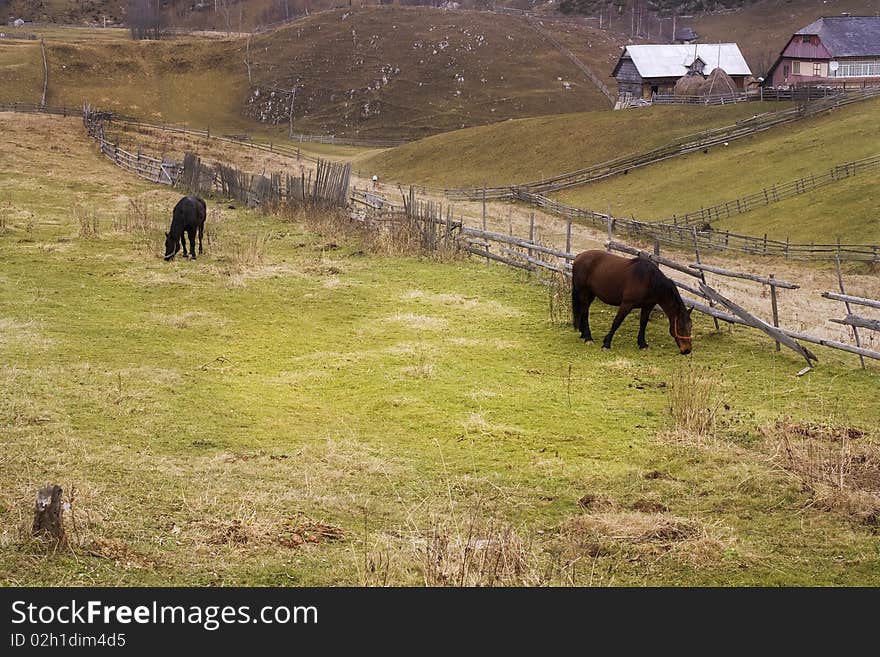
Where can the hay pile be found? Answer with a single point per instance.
(719, 83)
(689, 85)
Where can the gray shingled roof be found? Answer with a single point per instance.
(847, 36)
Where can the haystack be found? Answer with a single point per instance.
(719, 83)
(689, 85)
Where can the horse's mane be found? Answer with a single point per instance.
(665, 284)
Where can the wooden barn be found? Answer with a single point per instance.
(832, 50)
(644, 70)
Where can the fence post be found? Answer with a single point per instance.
(568, 236)
(702, 273)
(531, 232)
(846, 304)
(775, 308)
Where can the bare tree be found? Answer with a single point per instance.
(145, 19)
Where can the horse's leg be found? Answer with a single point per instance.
(586, 334)
(618, 319)
(183, 242)
(192, 242)
(643, 323)
(201, 231)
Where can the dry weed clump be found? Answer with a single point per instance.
(140, 220)
(694, 402)
(477, 554)
(395, 236)
(559, 289)
(838, 466)
(86, 221)
(633, 535)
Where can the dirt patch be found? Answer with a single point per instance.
(596, 502)
(120, 553)
(301, 529)
(649, 506)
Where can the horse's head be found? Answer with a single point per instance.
(172, 246)
(680, 329)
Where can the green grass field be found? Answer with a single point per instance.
(687, 183)
(295, 409)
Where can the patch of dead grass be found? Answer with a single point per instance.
(838, 466)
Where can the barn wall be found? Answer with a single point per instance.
(628, 78)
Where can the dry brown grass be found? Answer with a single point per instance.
(694, 402)
(637, 535)
(838, 466)
(86, 221)
(559, 293)
(141, 219)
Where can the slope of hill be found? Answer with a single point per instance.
(530, 149)
(411, 72)
(370, 73)
(848, 209)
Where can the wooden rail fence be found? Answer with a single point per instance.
(683, 236)
(533, 255)
(688, 144)
(329, 187)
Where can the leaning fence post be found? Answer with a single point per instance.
(702, 273)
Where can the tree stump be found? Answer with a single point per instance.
(48, 513)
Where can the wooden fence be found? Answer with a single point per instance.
(110, 118)
(775, 193)
(794, 94)
(688, 144)
(683, 236)
(328, 188)
(533, 255)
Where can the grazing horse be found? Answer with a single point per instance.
(189, 216)
(628, 283)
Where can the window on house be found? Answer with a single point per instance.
(858, 69)
(796, 68)
(806, 38)
(817, 69)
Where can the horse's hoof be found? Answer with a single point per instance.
(604, 348)
(588, 341)
(643, 347)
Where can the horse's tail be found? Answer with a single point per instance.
(575, 303)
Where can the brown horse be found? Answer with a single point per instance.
(628, 283)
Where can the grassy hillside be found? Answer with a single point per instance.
(530, 149)
(377, 72)
(684, 184)
(410, 72)
(405, 402)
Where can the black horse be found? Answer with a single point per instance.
(189, 216)
(628, 283)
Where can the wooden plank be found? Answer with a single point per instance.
(775, 282)
(660, 260)
(861, 301)
(759, 324)
(860, 322)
